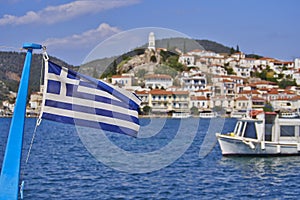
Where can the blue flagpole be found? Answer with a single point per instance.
(10, 173)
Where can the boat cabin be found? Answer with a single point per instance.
(270, 128)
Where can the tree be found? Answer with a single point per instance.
(230, 71)
(194, 110)
(268, 107)
(147, 110)
(237, 48)
(232, 51)
(173, 63)
(286, 82)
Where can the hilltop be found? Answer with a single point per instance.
(108, 66)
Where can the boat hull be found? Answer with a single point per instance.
(231, 146)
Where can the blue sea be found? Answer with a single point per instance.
(61, 167)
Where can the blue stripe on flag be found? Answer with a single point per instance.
(53, 87)
(90, 124)
(53, 68)
(90, 110)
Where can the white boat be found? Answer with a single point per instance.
(267, 134)
(180, 115)
(208, 114)
(238, 114)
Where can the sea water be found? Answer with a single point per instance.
(61, 167)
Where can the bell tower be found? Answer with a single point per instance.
(151, 41)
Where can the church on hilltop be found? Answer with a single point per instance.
(151, 53)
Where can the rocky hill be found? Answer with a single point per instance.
(108, 66)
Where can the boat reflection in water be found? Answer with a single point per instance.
(262, 134)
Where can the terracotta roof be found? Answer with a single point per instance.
(249, 92)
(181, 92)
(256, 98)
(120, 76)
(197, 50)
(273, 91)
(243, 98)
(142, 92)
(160, 92)
(199, 98)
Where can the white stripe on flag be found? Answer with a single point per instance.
(98, 92)
(89, 103)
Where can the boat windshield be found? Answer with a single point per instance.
(250, 131)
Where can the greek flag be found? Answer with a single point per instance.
(74, 98)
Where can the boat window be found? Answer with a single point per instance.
(237, 129)
(250, 131)
(287, 131)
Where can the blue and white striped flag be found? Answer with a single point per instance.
(74, 98)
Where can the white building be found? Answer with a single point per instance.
(158, 81)
(186, 59)
(193, 80)
(200, 102)
(296, 76)
(122, 80)
(242, 71)
(297, 63)
(217, 70)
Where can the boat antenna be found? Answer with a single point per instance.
(10, 174)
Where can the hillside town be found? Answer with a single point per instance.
(210, 83)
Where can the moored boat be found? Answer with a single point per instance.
(181, 115)
(208, 114)
(262, 135)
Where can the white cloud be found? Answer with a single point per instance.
(53, 14)
(88, 38)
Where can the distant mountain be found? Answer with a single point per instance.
(214, 46)
(11, 66)
(186, 44)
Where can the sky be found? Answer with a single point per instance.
(71, 30)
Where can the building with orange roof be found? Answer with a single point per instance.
(242, 103)
(163, 101)
(200, 102)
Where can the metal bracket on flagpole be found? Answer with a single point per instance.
(45, 55)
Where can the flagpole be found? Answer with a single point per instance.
(10, 173)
